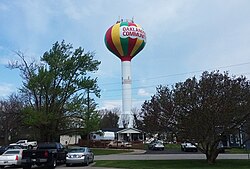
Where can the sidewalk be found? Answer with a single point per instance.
(135, 152)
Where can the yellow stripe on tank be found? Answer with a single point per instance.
(137, 45)
(115, 35)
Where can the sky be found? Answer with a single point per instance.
(184, 39)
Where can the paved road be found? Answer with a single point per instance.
(141, 155)
(168, 156)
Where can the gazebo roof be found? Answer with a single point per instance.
(129, 130)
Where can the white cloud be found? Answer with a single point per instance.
(110, 104)
(79, 11)
(4, 61)
(137, 103)
(6, 89)
(143, 92)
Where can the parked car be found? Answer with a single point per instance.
(47, 154)
(188, 146)
(11, 157)
(79, 155)
(26, 143)
(5, 148)
(148, 141)
(119, 144)
(221, 147)
(156, 145)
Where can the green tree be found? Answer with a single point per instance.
(91, 117)
(56, 88)
(137, 114)
(109, 118)
(11, 117)
(211, 108)
(158, 113)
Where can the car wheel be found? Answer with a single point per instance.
(68, 165)
(87, 162)
(53, 164)
(27, 167)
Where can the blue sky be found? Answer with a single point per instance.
(184, 38)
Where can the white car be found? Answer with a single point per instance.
(187, 146)
(119, 144)
(26, 143)
(11, 157)
(156, 145)
(79, 155)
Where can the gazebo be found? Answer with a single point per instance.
(130, 134)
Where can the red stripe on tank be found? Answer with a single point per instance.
(109, 41)
(131, 42)
(126, 58)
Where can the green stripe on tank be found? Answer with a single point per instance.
(124, 41)
(140, 48)
(106, 43)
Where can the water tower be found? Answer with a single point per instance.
(125, 39)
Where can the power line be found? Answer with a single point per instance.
(184, 73)
(109, 96)
(149, 86)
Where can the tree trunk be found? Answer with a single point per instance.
(211, 156)
(6, 136)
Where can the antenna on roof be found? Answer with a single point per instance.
(132, 20)
(119, 19)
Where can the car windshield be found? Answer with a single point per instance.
(15, 147)
(11, 152)
(3, 147)
(47, 146)
(76, 150)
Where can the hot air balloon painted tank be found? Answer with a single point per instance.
(125, 39)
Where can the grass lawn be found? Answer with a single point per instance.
(173, 146)
(237, 151)
(175, 164)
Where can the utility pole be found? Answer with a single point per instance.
(88, 115)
